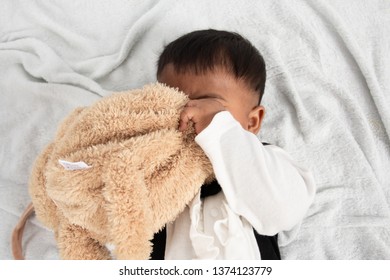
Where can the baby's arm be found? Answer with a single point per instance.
(261, 183)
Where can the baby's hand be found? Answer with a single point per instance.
(200, 112)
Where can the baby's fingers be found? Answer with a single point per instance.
(185, 117)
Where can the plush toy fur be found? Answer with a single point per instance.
(143, 173)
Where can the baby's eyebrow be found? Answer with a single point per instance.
(209, 95)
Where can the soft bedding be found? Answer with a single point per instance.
(327, 98)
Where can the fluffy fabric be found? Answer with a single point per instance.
(140, 173)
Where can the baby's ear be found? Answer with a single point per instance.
(256, 116)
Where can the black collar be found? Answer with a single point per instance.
(210, 189)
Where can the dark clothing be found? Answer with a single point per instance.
(268, 245)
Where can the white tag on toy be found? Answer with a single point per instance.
(73, 165)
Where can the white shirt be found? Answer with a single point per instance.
(262, 188)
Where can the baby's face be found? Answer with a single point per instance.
(233, 94)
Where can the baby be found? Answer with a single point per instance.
(259, 190)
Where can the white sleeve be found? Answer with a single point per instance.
(261, 183)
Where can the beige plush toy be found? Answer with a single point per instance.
(116, 173)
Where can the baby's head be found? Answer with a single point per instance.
(221, 65)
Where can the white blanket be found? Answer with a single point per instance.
(327, 98)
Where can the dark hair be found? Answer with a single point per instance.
(203, 50)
